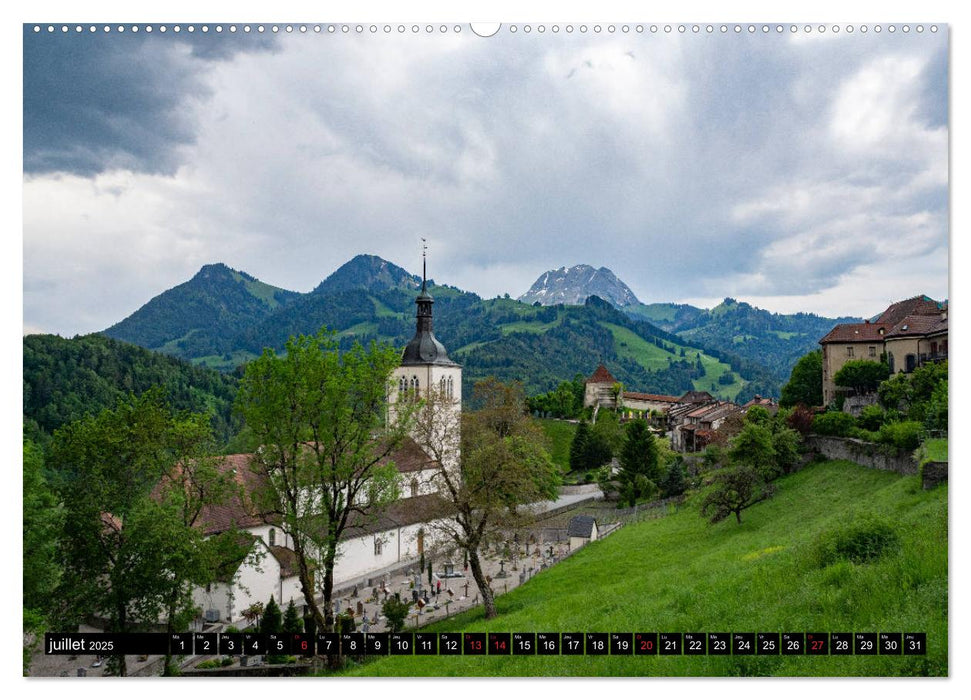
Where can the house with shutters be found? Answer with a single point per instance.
(906, 335)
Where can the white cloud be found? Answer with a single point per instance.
(691, 166)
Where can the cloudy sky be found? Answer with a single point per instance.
(794, 171)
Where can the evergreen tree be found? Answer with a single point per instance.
(578, 447)
(272, 618)
(292, 623)
(640, 470)
(673, 484)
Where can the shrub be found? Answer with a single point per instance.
(800, 419)
(871, 418)
(904, 435)
(863, 540)
(834, 423)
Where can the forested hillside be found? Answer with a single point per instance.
(66, 379)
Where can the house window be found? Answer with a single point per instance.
(872, 351)
(849, 351)
(378, 546)
(272, 536)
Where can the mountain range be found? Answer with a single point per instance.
(223, 317)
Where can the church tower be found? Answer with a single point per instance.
(426, 372)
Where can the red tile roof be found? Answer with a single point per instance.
(920, 305)
(601, 376)
(856, 333)
(410, 457)
(401, 513)
(636, 396)
(238, 510)
(919, 326)
(695, 397)
(287, 558)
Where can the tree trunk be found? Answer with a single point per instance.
(738, 516)
(167, 669)
(488, 599)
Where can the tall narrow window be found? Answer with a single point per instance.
(449, 387)
(441, 386)
(272, 536)
(849, 351)
(414, 487)
(378, 546)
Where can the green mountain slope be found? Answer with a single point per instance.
(202, 316)
(745, 336)
(222, 318)
(65, 379)
(680, 574)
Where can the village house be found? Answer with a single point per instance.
(906, 335)
(601, 390)
(698, 426)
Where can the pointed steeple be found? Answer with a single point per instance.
(425, 348)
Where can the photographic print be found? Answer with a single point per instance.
(435, 349)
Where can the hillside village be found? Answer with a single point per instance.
(382, 550)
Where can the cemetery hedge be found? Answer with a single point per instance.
(681, 574)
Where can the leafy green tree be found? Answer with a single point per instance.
(758, 415)
(862, 376)
(805, 385)
(734, 490)
(871, 417)
(395, 611)
(503, 465)
(935, 415)
(895, 393)
(610, 431)
(129, 555)
(753, 447)
(640, 470)
(43, 520)
(315, 413)
(785, 442)
(834, 423)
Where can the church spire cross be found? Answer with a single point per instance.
(424, 263)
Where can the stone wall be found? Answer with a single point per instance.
(868, 454)
(933, 474)
(576, 489)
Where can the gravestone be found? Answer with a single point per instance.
(360, 608)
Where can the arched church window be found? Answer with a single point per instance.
(449, 387)
(401, 385)
(441, 386)
(272, 536)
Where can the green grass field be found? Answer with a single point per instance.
(560, 434)
(680, 574)
(629, 344)
(651, 357)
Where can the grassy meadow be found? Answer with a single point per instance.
(681, 574)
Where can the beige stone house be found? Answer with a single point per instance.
(906, 335)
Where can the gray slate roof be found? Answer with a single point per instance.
(581, 526)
